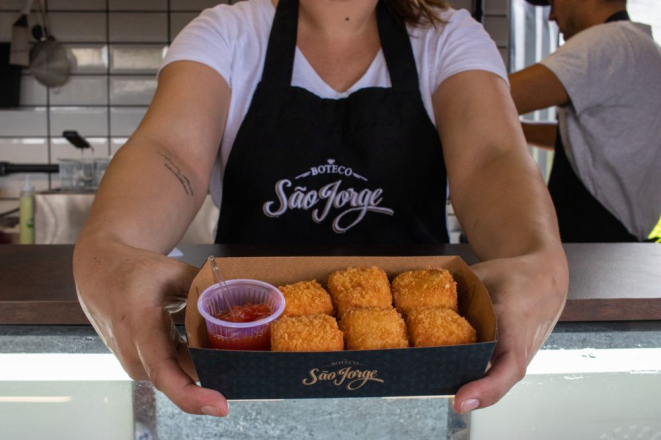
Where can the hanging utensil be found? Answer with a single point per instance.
(20, 40)
(49, 62)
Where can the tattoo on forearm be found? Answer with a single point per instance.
(174, 169)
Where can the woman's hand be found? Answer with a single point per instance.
(528, 294)
(128, 295)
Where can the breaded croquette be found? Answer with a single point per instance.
(424, 288)
(358, 287)
(306, 298)
(373, 329)
(306, 333)
(438, 326)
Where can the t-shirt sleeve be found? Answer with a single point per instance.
(464, 45)
(207, 40)
(589, 64)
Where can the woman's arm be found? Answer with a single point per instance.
(503, 205)
(535, 88)
(540, 134)
(157, 181)
(149, 195)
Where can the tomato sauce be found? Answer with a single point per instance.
(260, 342)
(247, 313)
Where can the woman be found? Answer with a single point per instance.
(327, 110)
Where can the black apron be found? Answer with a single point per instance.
(582, 219)
(368, 168)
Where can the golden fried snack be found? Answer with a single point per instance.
(358, 287)
(306, 333)
(306, 298)
(424, 288)
(373, 329)
(437, 326)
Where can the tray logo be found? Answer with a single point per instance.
(348, 205)
(349, 377)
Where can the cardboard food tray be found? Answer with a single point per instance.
(428, 371)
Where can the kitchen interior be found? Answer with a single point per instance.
(58, 132)
(60, 135)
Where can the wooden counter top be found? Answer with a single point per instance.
(608, 282)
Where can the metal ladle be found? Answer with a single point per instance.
(49, 62)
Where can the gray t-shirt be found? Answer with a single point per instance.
(612, 128)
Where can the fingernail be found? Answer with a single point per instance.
(469, 405)
(212, 411)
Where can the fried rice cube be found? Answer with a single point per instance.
(374, 329)
(438, 326)
(424, 288)
(306, 333)
(306, 298)
(359, 287)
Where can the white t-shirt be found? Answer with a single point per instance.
(611, 131)
(233, 41)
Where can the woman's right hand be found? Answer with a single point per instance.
(128, 295)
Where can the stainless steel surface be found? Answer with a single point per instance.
(605, 394)
(59, 218)
(590, 381)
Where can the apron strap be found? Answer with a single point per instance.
(395, 43)
(397, 50)
(279, 62)
(619, 16)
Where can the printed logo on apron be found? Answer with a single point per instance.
(340, 200)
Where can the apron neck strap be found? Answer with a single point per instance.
(279, 62)
(397, 50)
(619, 16)
(395, 43)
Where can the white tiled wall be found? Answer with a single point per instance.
(75, 27)
(143, 27)
(80, 90)
(496, 20)
(116, 47)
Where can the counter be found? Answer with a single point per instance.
(60, 382)
(608, 282)
(597, 376)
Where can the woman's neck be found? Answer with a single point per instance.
(336, 19)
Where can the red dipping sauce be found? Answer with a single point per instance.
(247, 313)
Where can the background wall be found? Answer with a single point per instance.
(117, 46)
(496, 20)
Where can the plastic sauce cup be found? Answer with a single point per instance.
(227, 335)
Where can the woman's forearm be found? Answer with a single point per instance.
(147, 199)
(507, 210)
(157, 182)
(540, 134)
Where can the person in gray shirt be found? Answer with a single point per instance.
(606, 81)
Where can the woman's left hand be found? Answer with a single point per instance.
(528, 295)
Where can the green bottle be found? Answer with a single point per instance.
(26, 216)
